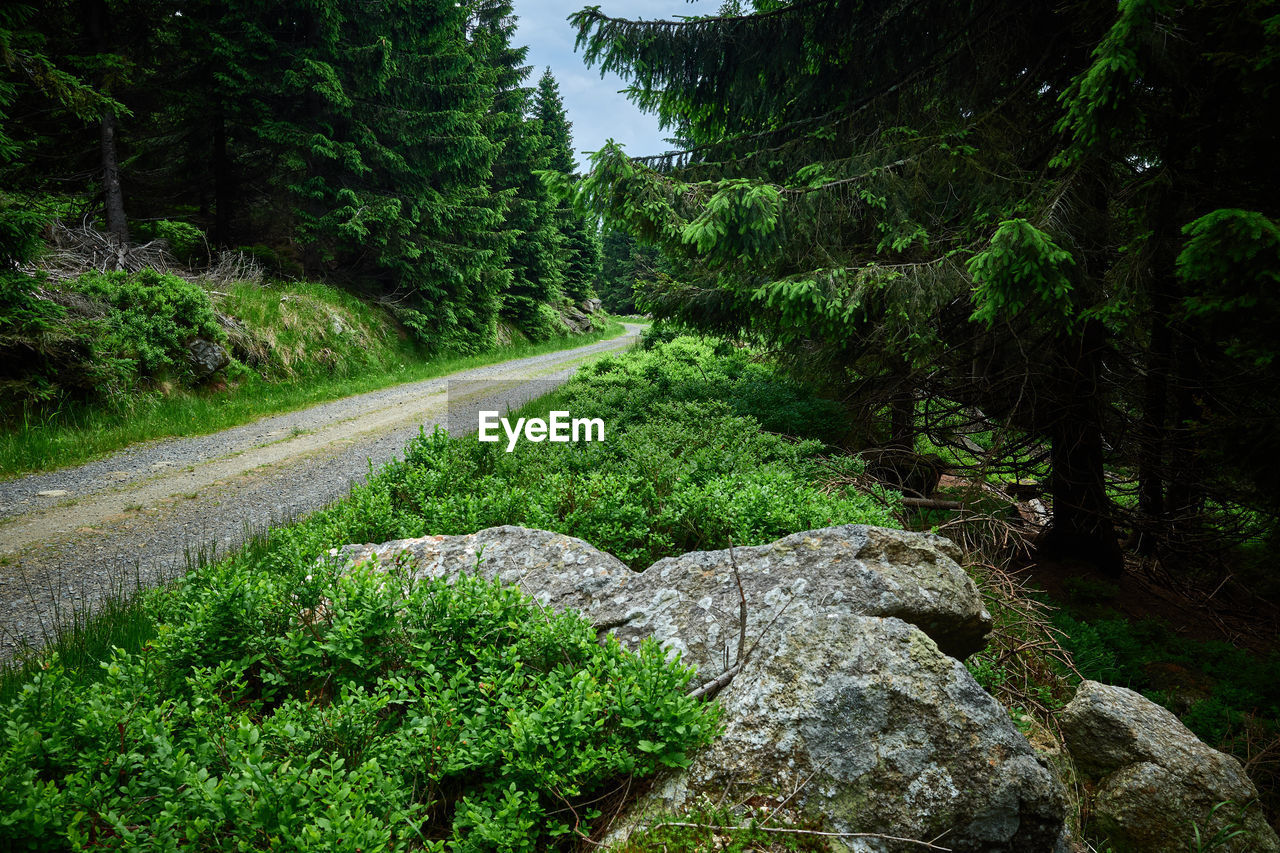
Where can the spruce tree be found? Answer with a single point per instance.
(580, 245)
(531, 247)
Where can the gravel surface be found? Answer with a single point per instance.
(133, 517)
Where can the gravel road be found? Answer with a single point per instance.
(133, 517)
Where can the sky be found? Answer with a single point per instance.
(595, 107)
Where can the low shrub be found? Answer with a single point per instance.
(186, 242)
(97, 335)
(344, 708)
(151, 319)
(685, 466)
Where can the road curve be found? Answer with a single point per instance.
(133, 516)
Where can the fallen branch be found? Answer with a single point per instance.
(931, 503)
(715, 685)
(928, 845)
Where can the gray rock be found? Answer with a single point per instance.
(591, 306)
(846, 712)
(560, 571)
(691, 602)
(206, 358)
(863, 724)
(1156, 782)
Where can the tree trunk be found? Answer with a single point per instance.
(1081, 527)
(97, 28)
(113, 196)
(221, 182)
(902, 417)
(1151, 429)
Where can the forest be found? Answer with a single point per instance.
(396, 153)
(1004, 271)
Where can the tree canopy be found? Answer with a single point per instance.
(1002, 210)
(397, 150)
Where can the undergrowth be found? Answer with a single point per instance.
(268, 701)
(346, 708)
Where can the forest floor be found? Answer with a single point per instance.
(72, 538)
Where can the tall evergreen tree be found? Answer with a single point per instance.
(532, 249)
(580, 252)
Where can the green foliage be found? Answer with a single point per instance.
(151, 319)
(126, 327)
(625, 265)
(1233, 257)
(685, 466)
(34, 348)
(1022, 268)
(281, 707)
(1222, 693)
(736, 221)
(22, 311)
(186, 241)
(20, 227)
(578, 248)
(1095, 102)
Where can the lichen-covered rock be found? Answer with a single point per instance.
(560, 571)
(1156, 782)
(691, 602)
(863, 724)
(857, 719)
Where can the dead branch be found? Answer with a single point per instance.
(928, 845)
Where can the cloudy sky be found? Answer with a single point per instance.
(595, 107)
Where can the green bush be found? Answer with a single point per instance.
(186, 241)
(44, 353)
(152, 316)
(326, 705)
(680, 470)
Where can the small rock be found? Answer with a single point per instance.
(119, 475)
(1157, 782)
(53, 493)
(206, 358)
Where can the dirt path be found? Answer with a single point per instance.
(134, 516)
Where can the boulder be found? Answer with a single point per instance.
(206, 358)
(576, 321)
(691, 602)
(848, 710)
(591, 306)
(1156, 782)
(560, 571)
(862, 725)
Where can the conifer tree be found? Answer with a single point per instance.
(532, 242)
(580, 248)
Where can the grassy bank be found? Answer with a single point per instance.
(296, 345)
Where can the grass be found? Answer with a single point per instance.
(80, 434)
